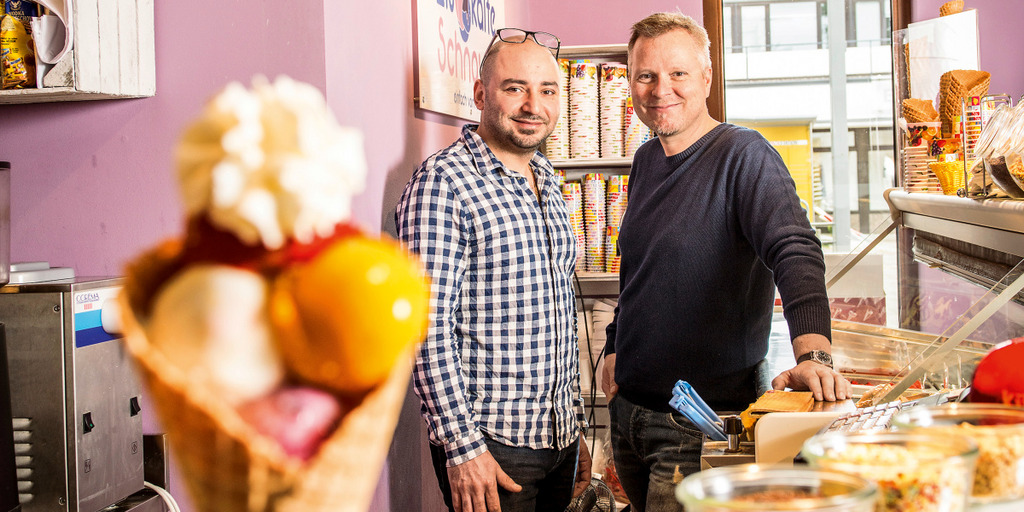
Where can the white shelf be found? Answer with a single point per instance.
(597, 285)
(597, 52)
(113, 56)
(592, 163)
(994, 223)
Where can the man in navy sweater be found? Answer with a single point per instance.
(714, 224)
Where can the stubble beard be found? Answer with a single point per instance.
(525, 141)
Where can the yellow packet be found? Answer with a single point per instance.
(17, 58)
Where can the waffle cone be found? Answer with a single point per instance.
(951, 7)
(229, 467)
(919, 111)
(954, 87)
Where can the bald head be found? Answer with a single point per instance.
(491, 56)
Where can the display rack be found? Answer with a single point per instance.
(575, 168)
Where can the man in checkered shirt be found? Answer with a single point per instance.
(498, 374)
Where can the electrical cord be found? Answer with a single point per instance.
(591, 412)
(172, 505)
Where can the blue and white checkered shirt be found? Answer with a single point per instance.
(500, 359)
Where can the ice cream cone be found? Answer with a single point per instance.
(229, 467)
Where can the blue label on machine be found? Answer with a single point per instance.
(89, 329)
(88, 311)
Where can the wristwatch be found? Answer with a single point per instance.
(818, 356)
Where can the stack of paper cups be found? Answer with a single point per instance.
(594, 220)
(636, 132)
(614, 90)
(573, 195)
(616, 206)
(583, 110)
(557, 145)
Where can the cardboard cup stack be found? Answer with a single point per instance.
(636, 132)
(573, 195)
(557, 144)
(614, 90)
(616, 201)
(595, 221)
(583, 110)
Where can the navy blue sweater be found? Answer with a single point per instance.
(707, 235)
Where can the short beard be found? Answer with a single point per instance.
(516, 140)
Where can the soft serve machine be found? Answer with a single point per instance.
(75, 407)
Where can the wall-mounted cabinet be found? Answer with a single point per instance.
(113, 56)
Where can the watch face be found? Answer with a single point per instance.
(818, 356)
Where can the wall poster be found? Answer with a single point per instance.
(452, 36)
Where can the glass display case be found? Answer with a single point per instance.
(951, 258)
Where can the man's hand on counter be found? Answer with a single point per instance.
(821, 380)
(826, 383)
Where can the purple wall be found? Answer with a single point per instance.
(1001, 38)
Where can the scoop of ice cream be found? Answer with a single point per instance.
(343, 318)
(298, 418)
(210, 321)
(271, 164)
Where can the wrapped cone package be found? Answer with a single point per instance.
(618, 186)
(556, 147)
(573, 195)
(595, 220)
(637, 133)
(614, 90)
(584, 129)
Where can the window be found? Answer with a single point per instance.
(755, 31)
(794, 26)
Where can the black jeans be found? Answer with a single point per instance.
(651, 448)
(547, 476)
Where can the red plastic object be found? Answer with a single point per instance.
(999, 377)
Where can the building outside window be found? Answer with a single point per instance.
(779, 80)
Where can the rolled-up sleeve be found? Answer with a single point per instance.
(429, 221)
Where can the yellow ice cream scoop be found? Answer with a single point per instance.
(344, 317)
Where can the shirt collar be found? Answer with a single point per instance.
(487, 162)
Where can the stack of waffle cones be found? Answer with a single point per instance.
(954, 87)
(919, 111)
(951, 7)
(229, 467)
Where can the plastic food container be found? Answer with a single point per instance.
(999, 432)
(750, 487)
(918, 472)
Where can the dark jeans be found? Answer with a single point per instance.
(547, 476)
(651, 448)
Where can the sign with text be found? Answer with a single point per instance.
(452, 36)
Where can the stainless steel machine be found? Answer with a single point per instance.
(74, 399)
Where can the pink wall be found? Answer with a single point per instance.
(600, 21)
(92, 181)
(1001, 38)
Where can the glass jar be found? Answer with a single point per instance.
(914, 472)
(999, 431)
(750, 487)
